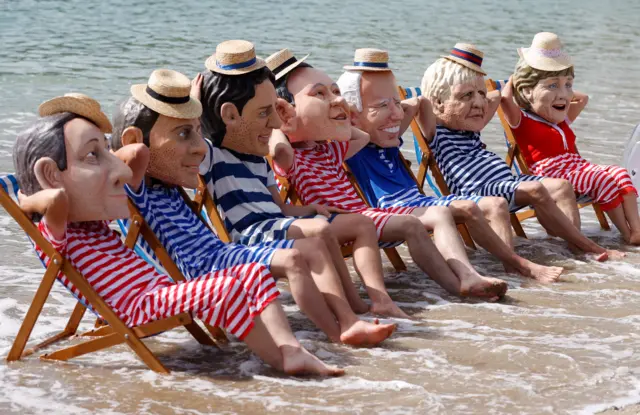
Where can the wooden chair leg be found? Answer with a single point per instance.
(201, 336)
(517, 226)
(466, 236)
(395, 259)
(35, 309)
(70, 330)
(604, 224)
(83, 348)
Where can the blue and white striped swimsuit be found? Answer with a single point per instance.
(194, 248)
(470, 169)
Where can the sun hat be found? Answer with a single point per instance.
(234, 57)
(367, 59)
(167, 93)
(80, 104)
(467, 55)
(545, 53)
(282, 62)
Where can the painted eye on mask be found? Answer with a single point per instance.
(553, 86)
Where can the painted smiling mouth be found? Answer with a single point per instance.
(392, 130)
(340, 117)
(560, 107)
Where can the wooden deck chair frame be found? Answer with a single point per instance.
(287, 193)
(426, 163)
(117, 332)
(514, 155)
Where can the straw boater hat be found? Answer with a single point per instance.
(467, 55)
(546, 53)
(234, 57)
(375, 60)
(283, 62)
(167, 93)
(80, 104)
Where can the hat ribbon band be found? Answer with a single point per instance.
(236, 65)
(284, 64)
(166, 99)
(372, 64)
(467, 56)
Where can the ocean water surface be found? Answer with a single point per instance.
(570, 347)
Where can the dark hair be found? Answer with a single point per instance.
(131, 112)
(43, 138)
(282, 90)
(218, 88)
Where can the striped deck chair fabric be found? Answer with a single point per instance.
(116, 332)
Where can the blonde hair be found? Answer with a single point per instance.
(441, 76)
(524, 76)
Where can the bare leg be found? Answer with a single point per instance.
(551, 217)
(272, 340)
(468, 212)
(562, 193)
(350, 329)
(427, 257)
(366, 258)
(496, 212)
(617, 216)
(320, 228)
(630, 205)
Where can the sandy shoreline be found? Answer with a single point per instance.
(629, 410)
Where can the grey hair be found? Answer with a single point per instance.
(526, 77)
(43, 138)
(441, 76)
(350, 84)
(131, 112)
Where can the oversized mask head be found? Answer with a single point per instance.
(67, 149)
(162, 115)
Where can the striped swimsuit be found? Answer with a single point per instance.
(471, 170)
(138, 294)
(194, 248)
(239, 184)
(550, 150)
(318, 177)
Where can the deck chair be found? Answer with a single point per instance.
(117, 332)
(427, 164)
(288, 195)
(516, 160)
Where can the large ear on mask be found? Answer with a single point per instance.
(438, 106)
(47, 173)
(132, 135)
(527, 93)
(354, 115)
(287, 114)
(229, 113)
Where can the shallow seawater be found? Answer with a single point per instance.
(570, 347)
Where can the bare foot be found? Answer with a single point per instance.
(614, 254)
(634, 239)
(601, 257)
(389, 309)
(574, 249)
(483, 287)
(298, 361)
(366, 334)
(542, 273)
(510, 269)
(358, 306)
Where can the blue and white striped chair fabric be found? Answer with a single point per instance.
(142, 248)
(10, 185)
(411, 93)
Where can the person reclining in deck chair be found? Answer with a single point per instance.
(455, 86)
(545, 105)
(378, 111)
(243, 185)
(73, 182)
(312, 113)
(170, 127)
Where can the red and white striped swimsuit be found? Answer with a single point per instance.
(318, 177)
(550, 150)
(228, 298)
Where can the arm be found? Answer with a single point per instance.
(509, 107)
(307, 210)
(426, 118)
(359, 139)
(52, 204)
(411, 108)
(281, 150)
(578, 103)
(136, 156)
